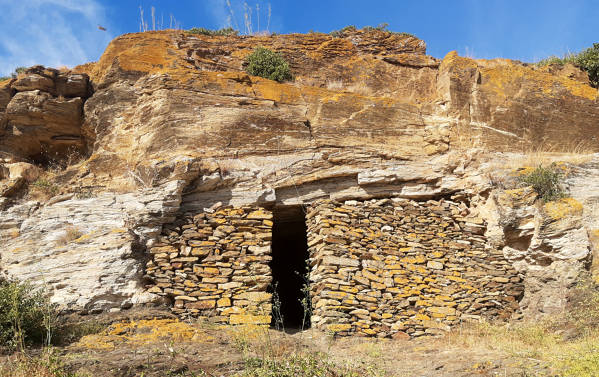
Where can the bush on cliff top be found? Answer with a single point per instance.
(228, 31)
(352, 29)
(587, 60)
(14, 74)
(268, 64)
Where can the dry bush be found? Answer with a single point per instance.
(71, 234)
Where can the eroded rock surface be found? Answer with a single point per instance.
(175, 125)
(42, 113)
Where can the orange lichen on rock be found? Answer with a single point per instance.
(149, 52)
(455, 62)
(142, 332)
(508, 76)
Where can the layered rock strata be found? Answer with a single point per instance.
(174, 125)
(41, 113)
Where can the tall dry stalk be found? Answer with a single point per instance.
(153, 18)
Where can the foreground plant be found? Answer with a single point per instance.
(46, 364)
(26, 315)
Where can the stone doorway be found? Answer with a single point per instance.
(289, 267)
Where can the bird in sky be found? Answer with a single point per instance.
(101, 28)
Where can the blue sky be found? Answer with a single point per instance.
(65, 32)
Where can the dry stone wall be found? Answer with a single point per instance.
(215, 264)
(390, 267)
(400, 267)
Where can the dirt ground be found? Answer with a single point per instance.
(157, 344)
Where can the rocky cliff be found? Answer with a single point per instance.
(168, 122)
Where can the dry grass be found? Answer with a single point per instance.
(71, 233)
(46, 364)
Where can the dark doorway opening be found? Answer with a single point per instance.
(289, 268)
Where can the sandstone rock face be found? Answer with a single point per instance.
(42, 119)
(84, 250)
(176, 126)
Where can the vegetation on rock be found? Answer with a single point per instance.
(546, 181)
(14, 74)
(268, 64)
(351, 28)
(587, 60)
(228, 31)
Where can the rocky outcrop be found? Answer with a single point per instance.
(42, 113)
(176, 126)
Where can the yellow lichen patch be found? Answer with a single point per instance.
(144, 332)
(453, 60)
(339, 327)
(150, 52)
(247, 332)
(561, 208)
(249, 319)
(14, 232)
(119, 230)
(504, 76)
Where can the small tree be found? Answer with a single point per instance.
(268, 64)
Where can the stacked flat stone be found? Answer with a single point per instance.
(216, 265)
(404, 268)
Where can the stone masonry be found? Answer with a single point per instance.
(215, 264)
(390, 267)
(396, 267)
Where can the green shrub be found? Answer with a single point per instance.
(26, 315)
(587, 60)
(223, 32)
(268, 64)
(547, 182)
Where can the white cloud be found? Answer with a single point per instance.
(51, 32)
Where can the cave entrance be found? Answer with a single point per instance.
(289, 268)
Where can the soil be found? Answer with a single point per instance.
(154, 343)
